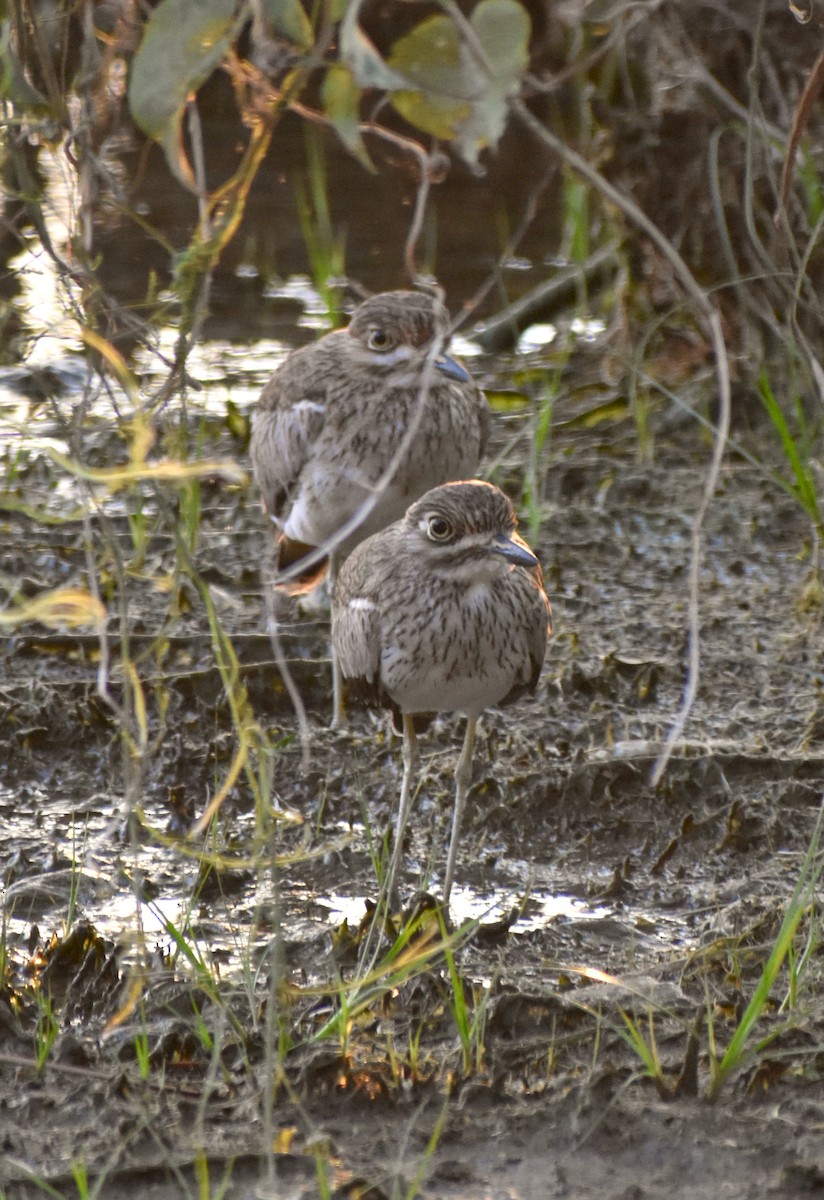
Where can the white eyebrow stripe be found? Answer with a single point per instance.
(401, 353)
(476, 539)
(362, 604)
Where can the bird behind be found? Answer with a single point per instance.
(350, 430)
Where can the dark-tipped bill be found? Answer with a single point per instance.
(453, 369)
(514, 551)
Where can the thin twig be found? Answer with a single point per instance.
(273, 629)
(813, 86)
(712, 322)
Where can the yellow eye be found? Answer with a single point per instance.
(379, 340)
(439, 529)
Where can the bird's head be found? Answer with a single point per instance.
(468, 531)
(396, 330)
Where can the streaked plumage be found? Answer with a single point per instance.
(443, 611)
(333, 415)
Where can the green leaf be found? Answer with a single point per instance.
(463, 82)
(238, 423)
(360, 55)
(430, 56)
(610, 410)
(288, 19)
(503, 28)
(506, 401)
(341, 100)
(183, 42)
(13, 83)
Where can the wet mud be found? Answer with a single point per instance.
(139, 1032)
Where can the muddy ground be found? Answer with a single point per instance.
(155, 1061)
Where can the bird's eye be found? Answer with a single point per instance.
(438, 529)
(379, 340)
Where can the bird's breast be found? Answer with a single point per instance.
(464, 650)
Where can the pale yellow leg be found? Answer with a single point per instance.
(338, 706)
(410, 766)
(463, 782)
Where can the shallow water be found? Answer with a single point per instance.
(614, 539)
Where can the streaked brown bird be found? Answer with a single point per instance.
(444, 611)
(350, 430)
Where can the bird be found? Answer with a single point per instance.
(442, 611)
(353, 428)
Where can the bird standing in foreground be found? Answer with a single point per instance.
(444, 611)
(350, 430)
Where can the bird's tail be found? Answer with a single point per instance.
(289, 555)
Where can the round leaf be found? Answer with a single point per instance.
(183, 43)
(464, 83)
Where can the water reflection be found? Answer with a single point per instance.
(63, 864)
(535, 337)
(488, 906)
(133, 234)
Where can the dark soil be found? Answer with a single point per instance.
(658, 904)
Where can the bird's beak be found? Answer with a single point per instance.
(514, 550)
(452, 368)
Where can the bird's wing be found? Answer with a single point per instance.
(289, 418)
(357, 632)
(537, 628)
(356, 635)
(484, 422)
(540, 630)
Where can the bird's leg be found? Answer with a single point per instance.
(463, 782)
(338, 706)
(410, 765)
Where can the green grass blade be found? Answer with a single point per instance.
(802, 896)
(804, 484)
